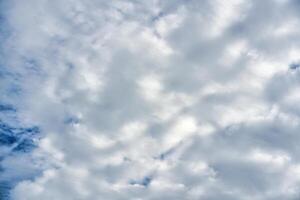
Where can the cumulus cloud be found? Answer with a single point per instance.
(155, 99)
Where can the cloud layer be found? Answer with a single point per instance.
(156, 99)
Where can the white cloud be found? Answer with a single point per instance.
(157, 99)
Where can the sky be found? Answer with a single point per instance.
(149, 99)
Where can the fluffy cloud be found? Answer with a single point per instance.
(157, 99)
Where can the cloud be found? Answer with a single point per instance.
(154, 99)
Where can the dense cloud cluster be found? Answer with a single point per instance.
(149, 100)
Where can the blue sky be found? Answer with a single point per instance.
(149, 100)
